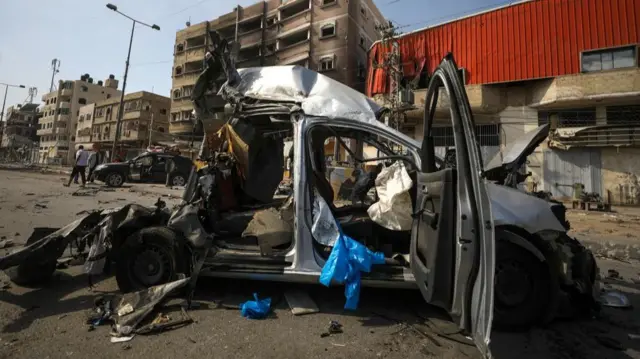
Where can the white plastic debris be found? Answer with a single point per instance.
(324, 228)
(393, 210)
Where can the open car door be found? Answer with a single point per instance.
(452, 243)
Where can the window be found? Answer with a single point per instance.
(88, 117)
(178, 70)
(163, 111)
(327, 30)
(362, 42)
(84, 88)
(186, 91)
(108, 96)
(160, 129)
(100, 112)
(180, 48)
(329, 2)
(271, 21)
(81, 118)
(619, 58)
(326, 64)
(82, 101)
(177, 94)
(145, 161)
(363, 11)
(362, 73)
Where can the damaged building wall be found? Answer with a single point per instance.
(621, 175)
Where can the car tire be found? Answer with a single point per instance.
(177, 179)
(522, 287)
(29, 273)
(114, 179)
(149, 257)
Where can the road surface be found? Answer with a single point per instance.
(49, 322)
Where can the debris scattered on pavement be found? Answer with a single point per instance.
(300, 302)
(6, 243)
(615, 299)
(121, 339)
(614, 274)
(30, 194)
(40, 205)
(334, 328)
(256, 309)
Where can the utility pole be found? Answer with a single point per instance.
(33, 91)
(392, 67)
(55, 66)
(150, 130)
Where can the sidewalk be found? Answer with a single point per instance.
(54, 169)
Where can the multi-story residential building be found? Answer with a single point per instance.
(570, 64)
(144, 114)
(330, 36)
(84, 127)
(57, 126)
(19, 127)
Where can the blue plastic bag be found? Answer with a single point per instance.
(256, 309)
(347, 259)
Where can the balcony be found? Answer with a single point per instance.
(247, 40)
(295, 21)
(84, 132)
(65, 104)
(293, 54)
(250, 25)
(45, 131)
(66, 92)
(292, 8)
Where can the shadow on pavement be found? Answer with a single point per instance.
(49, 300)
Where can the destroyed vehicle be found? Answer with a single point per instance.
(147, 167)
(481, 251)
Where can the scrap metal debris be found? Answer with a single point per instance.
(334, 328)
(615, 299)
(614, 274)
(300, 302)
(6, 243)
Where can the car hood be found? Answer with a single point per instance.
(517, 152)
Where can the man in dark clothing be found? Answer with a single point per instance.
(168, 168)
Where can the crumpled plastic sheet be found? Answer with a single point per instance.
(347, 260)
(393, 210)
(324, 228)
(256, 309)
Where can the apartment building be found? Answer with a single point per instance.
(57, 126)
(19, 127)
(85, 123)
(330, 36)
(145, 114)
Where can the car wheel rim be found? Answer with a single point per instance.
(178, 181)
(151, 267)
(513, 284)
(115, 180)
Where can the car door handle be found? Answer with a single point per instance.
(432, 216)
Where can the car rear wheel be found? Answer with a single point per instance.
(521, 292)
(178, 180)
(149, 257)
(114, 179)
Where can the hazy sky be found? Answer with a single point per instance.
(89, 38)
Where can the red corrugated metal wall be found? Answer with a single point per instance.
(536, 39)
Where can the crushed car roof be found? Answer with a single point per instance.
(317, 94)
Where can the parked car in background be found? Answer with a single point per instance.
(147, 167)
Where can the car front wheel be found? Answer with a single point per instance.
(522, 286)
(114, 179)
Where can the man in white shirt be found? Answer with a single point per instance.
(82, 159)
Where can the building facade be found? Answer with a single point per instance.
(57, 126)
(330, 36)
(146, 115)
(571, 64)
(84, 127)
(19, 127)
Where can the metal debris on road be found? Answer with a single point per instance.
(334, 328)
(300, 302)
(6, 243)
(614, 274)
(615, 299)
(121, 339)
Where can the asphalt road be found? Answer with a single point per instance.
(49, 322)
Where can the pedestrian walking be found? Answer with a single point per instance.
(82, 157)
(95, 159)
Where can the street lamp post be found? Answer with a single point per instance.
(6, 90)
(126, 73)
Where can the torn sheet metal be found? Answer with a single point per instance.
(52, 246)
(318, 94)
(393, 209)
(143, 303)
